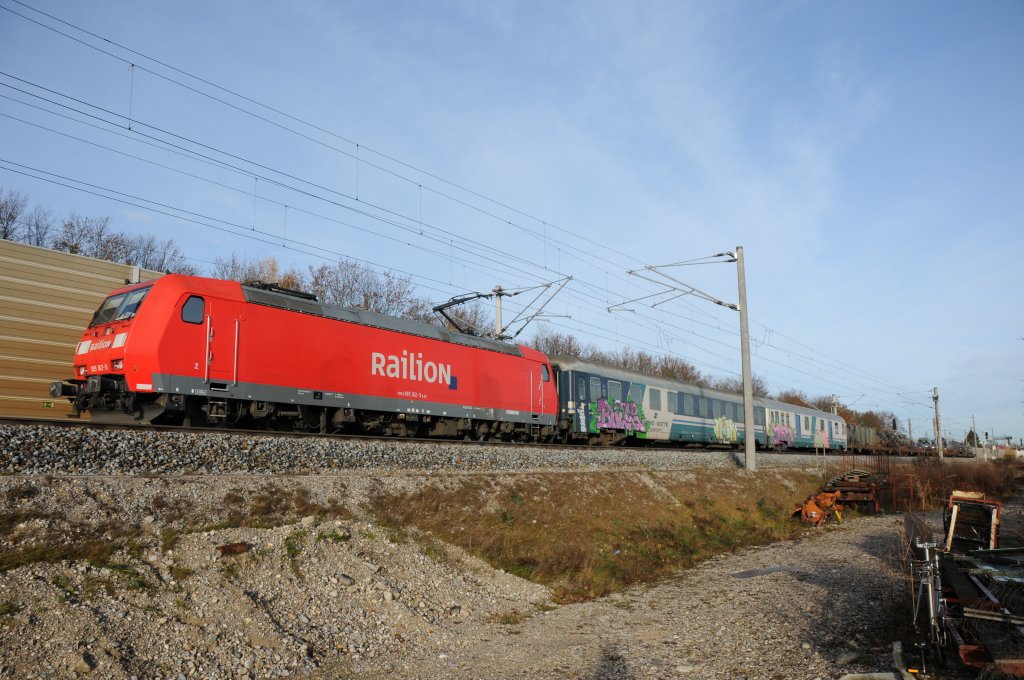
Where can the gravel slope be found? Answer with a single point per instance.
(340, 597)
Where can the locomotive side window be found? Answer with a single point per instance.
(614, 391)
(545, 373)
(656, 400)
(595, 389)
(673, 402)
(192, 310)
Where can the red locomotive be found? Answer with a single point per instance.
(193, 350)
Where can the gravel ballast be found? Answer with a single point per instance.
(338, 596)
(44, 449)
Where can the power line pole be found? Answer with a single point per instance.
(938, 421)
(974, 429)
(498, 293)
(749, 439)
(674, 288)
(910, 432)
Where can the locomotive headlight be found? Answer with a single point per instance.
(118, 364)
(81, 370)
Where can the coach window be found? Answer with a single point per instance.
(702, 405)
(656, 400)
(807, 424)
(614, 391)
(595, 389)
(636, 393)
(673, 402)
(192, 310)
(581, 388)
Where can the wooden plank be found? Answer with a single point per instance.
(55, 260)
(66, 278)
(34, 408)
(46, 311)
(32, 388)
(17, 289)
(31, 331)
(16, 368)
(37, 352)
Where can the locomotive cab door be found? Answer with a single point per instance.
(222, 336)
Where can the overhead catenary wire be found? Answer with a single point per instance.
(545, 237)
(208, 147)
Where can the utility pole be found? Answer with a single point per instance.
(938, 421)
(749, 438)
(675, 288)
(974, 429)
(498, 293)
(910, 432)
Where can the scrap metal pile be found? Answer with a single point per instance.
(968, 592)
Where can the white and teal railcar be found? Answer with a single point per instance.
(602, 404)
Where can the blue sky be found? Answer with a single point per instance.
(868, 156)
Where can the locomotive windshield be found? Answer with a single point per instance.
(119, 307)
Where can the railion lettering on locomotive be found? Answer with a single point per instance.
(410, 366)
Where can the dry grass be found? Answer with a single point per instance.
(934, 481)
(587, 535)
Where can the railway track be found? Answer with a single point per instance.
(49, 446)
(285, 434)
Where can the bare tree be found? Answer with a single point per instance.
(38, 227)
(792, 396)
(759, 386)
(349, 284)
(674, 368)
(149, 253)
(84, 236)
(12, 206)
(266, 270)
(553, 342)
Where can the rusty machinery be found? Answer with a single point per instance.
(968, 593)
